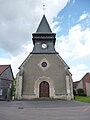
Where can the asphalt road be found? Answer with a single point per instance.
(44, 110)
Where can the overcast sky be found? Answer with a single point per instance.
(69, 19)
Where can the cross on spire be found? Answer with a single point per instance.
(44, 9)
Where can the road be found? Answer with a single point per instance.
(44, 110)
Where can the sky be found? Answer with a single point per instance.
(69, 19)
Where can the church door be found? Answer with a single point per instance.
(44, 89)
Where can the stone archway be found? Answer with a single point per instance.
(51, 86)
(44, 89)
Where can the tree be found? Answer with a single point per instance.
(80, 91)
(14, 88)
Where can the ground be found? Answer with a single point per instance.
(44, 110)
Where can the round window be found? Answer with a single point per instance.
(44, 64)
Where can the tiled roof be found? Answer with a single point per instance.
(3, 68)
(86, 75)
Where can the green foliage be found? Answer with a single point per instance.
(83, 98)
(80, 91)
(14, 87)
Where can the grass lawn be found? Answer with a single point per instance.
(82, 99)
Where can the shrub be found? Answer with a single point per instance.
(80, 91)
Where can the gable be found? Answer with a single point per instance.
(86, 78)
(58, 56)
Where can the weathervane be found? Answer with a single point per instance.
(44, 9)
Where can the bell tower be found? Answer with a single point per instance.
(44, 39)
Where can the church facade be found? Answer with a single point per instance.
(44, 74)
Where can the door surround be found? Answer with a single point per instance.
(51, 86)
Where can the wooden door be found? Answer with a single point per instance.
(44, 89)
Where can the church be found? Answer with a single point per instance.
(44, 74)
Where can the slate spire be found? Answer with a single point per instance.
(44, 26)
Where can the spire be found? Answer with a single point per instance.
(44, 26)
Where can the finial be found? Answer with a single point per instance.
(44, 9)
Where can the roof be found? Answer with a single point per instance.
(44, 26)
(3, 68)
(75, 84)
(86, 75)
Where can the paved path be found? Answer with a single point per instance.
(44, 110)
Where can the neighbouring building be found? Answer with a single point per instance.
(44, 74)
(84, 83)
(6, 81)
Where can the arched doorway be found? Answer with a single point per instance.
(44, 89)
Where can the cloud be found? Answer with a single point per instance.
(74, 49)
(75, 44)
(83, 16)
(19, 18)
(78, 71)
(16, 61)
(4, 61)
